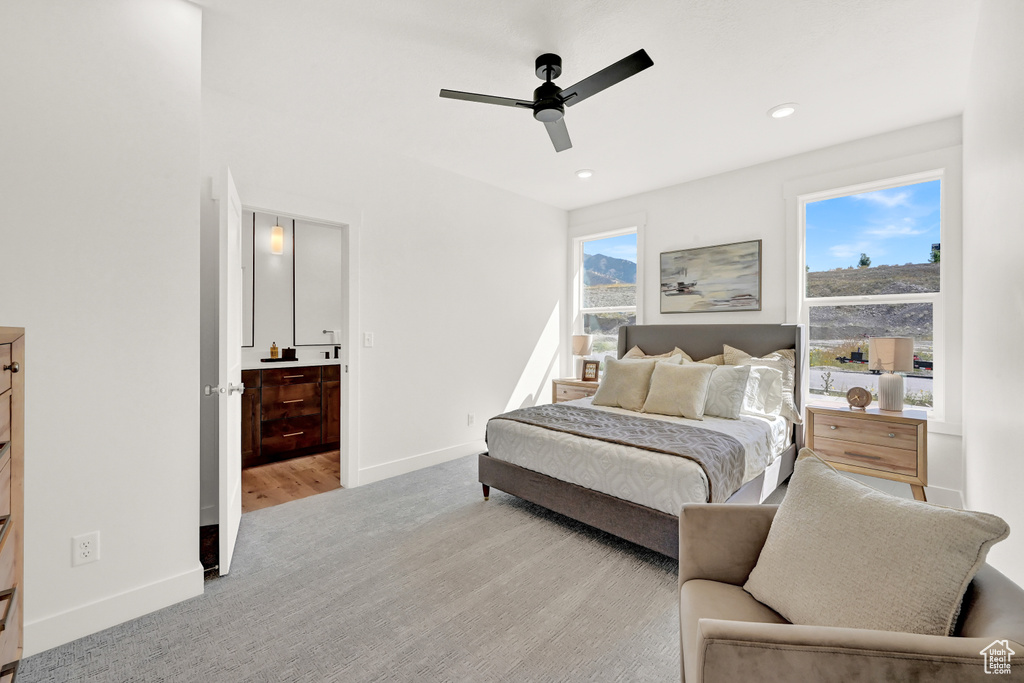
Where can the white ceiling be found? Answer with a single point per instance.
(371, 71)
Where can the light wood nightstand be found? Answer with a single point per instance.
(569, 389)
(878, 443)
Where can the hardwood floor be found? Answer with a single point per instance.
(280, 482)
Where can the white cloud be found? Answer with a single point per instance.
(890, 231)
(887, 198)
(845, 251)
(623, 251)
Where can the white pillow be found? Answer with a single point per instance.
(783, 360)
(727, 390)
(763, 393)
(680, 390)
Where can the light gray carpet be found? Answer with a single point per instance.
(411, 579)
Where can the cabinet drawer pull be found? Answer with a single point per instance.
(294, 400)
(861, 455)
(293, 434)
(292, 376)
(10, 595)
(833, 427)
(891, 435)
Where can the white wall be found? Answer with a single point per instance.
(100, 263)
(749, 204)
(993, 245)
(462, 284)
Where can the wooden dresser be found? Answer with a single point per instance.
(878, 443)
(569, 389)
(288, 412)
(12, 497)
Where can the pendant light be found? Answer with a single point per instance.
(277, 237)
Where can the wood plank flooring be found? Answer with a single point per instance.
(280, 482)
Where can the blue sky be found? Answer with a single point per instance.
(893, 227)
(623, 246)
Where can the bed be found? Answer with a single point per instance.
(635, 493)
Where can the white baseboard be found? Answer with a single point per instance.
(57, 629)
(368, 475)
(208, 515)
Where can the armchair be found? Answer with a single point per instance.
(727, 635)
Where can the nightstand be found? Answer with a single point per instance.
(878, 443)
(570, 389)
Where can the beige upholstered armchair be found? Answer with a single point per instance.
(726, 635)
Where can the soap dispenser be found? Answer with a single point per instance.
(273, 350)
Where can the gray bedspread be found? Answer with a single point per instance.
(719, 455)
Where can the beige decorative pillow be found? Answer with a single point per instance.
(763, 392)
(714, 360)
(625, 383)
(680, 390)
(840, 553)
(783, 360)
(637, 352)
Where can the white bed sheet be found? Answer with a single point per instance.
(655, 480)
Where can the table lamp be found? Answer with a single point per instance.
(581, 346)
(891, 355)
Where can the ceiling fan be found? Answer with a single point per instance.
(549, 101)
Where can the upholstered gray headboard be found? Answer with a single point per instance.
(702, 341)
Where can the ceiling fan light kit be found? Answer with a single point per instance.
(549, 100)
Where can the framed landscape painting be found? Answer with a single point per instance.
(725, 277)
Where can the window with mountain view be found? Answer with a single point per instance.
(608, 297)
(873, 265)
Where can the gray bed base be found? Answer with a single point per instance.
(645, 526)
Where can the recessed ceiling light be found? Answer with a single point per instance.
(783, 110)
(584, 173)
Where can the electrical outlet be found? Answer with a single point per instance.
(470, 419)
(85, 548)
(368, 339)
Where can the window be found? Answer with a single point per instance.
(872, 268)
(607, 294)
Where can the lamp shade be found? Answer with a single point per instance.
(582, 344)
(277, 240)
(891, 354)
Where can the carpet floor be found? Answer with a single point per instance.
(414, 578)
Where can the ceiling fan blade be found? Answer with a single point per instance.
(559, 134)
(606, 77)
(486, 99)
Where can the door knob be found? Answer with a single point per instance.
(235, 388)
(211, 390)
(14, 367)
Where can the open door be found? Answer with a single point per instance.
(230, 371)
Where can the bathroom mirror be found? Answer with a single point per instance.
(317, 305)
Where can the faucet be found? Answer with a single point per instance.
(337, 350)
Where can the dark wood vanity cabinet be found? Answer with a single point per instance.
(288, 412)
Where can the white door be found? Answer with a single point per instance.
(230, 370)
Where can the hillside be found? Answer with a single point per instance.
(857, 322)
(599, 269)
(909, 279)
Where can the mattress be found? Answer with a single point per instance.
(655, 480)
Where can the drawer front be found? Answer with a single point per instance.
(5, 416)
(332, 373)
(290, 434)
(874, 432)
(8, 560)
(5, 375)
(567, 392)
(292, 375)
(290, 400)
(251, 378)
(896, 460)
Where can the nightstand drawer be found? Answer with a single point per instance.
(870, 456)
(571, 393)
(885, 434)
